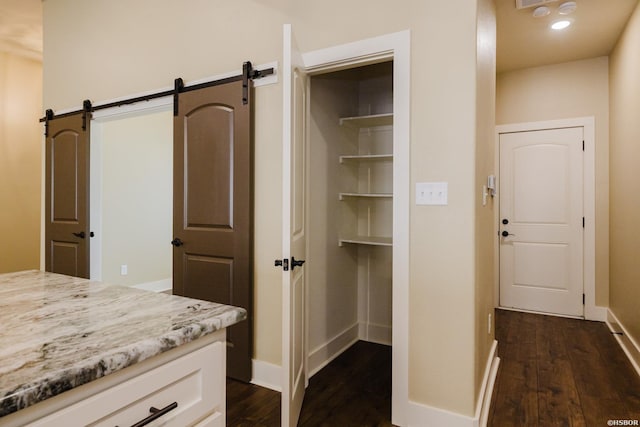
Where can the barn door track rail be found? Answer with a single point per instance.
(248, 73)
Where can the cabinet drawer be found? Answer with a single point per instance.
(215, 420)
(196, 382)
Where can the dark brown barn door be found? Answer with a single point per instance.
(67, 196)
(212, 217)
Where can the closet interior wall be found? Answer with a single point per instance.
(350, 211)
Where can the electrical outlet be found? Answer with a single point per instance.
(124, 270)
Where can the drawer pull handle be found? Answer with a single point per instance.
(155, 414)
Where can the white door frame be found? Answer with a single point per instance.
(591, 311)
(394, 46)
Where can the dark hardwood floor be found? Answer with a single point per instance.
(560, 372)
(353, 390)
(553, 372)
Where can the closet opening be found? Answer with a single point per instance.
(350, 207)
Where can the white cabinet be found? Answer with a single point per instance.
(187, 382)
(191, 388)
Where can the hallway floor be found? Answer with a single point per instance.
(553, 372)
(556, 371)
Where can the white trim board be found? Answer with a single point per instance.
(266, 375)
(396, 46)
(371, 332)
(164, 285)
(427, 416)
(324, 354)
(626, 341)
(486, 390)
(591, 310)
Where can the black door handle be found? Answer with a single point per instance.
(505, 233)
(80, 234)
(284, 263)
(177, 242)
(296, 262)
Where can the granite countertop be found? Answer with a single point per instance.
(59, 332)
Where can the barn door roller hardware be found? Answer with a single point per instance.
(248, 73)
(86, 112)
(48, 115)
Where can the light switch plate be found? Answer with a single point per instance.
(431, 193)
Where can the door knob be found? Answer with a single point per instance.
(505, 221)
(505, 233)
(177, 242)
(296, 262)
(80, 234)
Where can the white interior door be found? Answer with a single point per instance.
(293, 230)
(541, 221)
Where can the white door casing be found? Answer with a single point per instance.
(294, 84)
(541, 199)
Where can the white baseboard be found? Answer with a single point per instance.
(379, 334)
(164, 285)
(322, 355)
(626, 341)
(596, 313)
(267, 375)
(420, 415)
(486, 390)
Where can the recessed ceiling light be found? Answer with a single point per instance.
(567, 7)
(541, 11)
(560, 25)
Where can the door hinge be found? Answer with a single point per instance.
(582, 222)
(583, 299)
(582, 145)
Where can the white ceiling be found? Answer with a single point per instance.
(21, 27)
(523, 41)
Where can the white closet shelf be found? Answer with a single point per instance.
(366, 195)
(366, 157)
(368, 121)
(366, 240)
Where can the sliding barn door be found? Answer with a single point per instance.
(213, 177)
(67, 196)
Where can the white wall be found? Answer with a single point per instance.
(137, 198)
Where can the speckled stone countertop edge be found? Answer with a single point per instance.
(196, 319)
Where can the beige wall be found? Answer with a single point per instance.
(20, 162)
(625, 177)
(202, 38)
(568, 90)
(485, 159)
